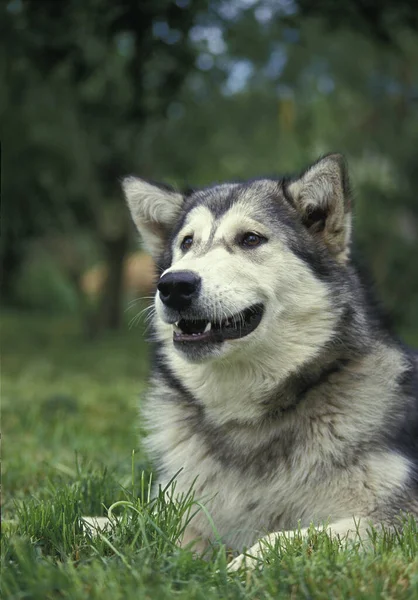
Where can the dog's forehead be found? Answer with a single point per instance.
(220, 198)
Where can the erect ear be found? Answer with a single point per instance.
(322, 197)
(154, 211)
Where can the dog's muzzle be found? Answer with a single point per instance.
(194, 328)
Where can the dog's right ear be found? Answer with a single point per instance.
(321, 195)
(154, 210)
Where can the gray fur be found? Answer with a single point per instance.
(313, 417)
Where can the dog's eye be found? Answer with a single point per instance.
(187, 242)
(251, 240)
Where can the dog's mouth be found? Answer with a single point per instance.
(232, 328)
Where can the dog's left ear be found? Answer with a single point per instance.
(322, 197)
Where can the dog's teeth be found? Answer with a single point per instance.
(208, 327)
(176, 327)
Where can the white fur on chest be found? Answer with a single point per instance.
(244, 504)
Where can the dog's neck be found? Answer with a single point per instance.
(252, 390)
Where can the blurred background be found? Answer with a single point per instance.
(187, 92)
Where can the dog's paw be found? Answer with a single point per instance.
(249, 560)
(193, 541)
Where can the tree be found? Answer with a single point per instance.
(86, 81)
(382, 19)
(177, 91)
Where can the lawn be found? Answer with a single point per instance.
(71, 447)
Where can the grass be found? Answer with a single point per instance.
(71, 448)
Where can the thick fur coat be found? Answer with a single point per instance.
(275, 389)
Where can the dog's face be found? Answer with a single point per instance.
(245, 264)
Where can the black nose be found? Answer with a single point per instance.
(178, 288)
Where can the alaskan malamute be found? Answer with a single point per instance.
(275, 386)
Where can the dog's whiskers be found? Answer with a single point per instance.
(136, 318)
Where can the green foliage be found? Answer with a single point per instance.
(83, 83)
(173, 91)
(311, 91)
(41, 284)
(381, 19)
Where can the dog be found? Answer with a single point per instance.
(276, 389)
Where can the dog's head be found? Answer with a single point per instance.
(247, 266)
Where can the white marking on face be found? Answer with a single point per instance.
(229, 279)
(237, 220)
(199, 224)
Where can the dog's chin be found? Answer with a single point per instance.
(203, 352)
(199, 339)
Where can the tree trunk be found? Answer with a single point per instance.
(10, 263)
(110, 309)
